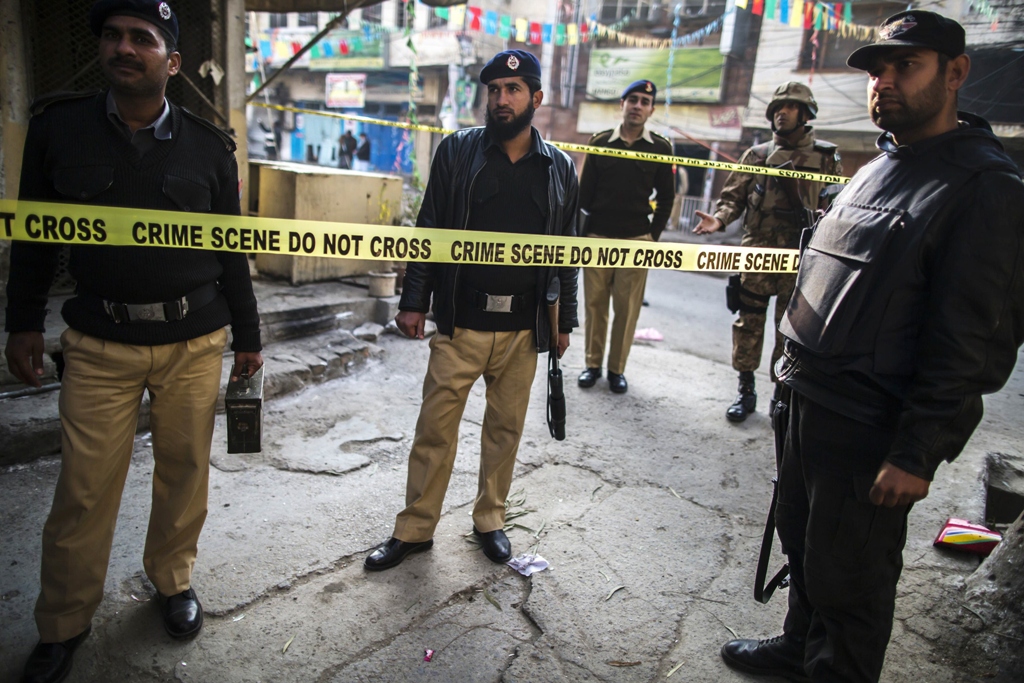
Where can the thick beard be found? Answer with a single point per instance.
(503, 131)
(913, 114)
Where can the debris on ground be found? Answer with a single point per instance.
(528, 564)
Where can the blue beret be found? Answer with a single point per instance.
(511, 63)
(645, 87)
(156, 12)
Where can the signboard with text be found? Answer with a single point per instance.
(696, 73)
(345, 91)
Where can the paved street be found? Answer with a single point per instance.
(650, 513)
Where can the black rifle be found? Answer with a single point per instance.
(802, 217)
(780, 423)
(556, 396)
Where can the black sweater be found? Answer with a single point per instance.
(74, 154)
(616, 192)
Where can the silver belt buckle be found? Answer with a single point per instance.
(499, 303)
(147, 312)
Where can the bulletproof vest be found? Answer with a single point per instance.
(861, 291)
(768, 206)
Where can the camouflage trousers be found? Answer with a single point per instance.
(748, 330)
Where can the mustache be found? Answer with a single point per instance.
(130, 63)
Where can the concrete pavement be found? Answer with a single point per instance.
(650, 513)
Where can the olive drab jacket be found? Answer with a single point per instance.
(769, 220)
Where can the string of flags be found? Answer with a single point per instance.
(819, 16)
(524, 30)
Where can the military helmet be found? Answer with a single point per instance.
(792, 92)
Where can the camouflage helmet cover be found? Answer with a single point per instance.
(792, 92)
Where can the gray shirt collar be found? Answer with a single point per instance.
(161, 128)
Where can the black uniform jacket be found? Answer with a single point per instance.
(457, 162)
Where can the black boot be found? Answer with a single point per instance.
(745, 402)
(779, 656)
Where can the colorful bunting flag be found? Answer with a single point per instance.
(441, 12)
(546, 33)
(560, 34)
(505, 27)
(769, 9)
(522, 29)
(474, 21)
(571, 34)
(535, 33)
(491, 23)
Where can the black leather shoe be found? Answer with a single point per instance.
(495, 545)
(589, 377)
(183, 615)
(617, 383)
(51, 662)
(391, 552)
(778, 656)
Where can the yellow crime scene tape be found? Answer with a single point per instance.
(88, 224)
(588, 149)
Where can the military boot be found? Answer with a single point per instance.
(745, 402)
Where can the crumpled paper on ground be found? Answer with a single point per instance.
(648, 334)
(527, 564)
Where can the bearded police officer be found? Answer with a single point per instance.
(775, 215)
(504, 178)
(142, 319)
(615, 198)
(909, 305)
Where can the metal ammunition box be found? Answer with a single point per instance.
(243, 404)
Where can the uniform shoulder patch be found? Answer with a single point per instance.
(601, 137)
(225, 138)
(762, 151)
(40, 104)
(662, 139)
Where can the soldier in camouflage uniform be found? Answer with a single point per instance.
(771, 220)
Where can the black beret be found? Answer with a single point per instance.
(156, 12)
(511, 63)
(645, 87)
(913, 28)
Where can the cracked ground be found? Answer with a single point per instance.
(650, 513)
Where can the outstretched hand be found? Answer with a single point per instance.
(708, 224)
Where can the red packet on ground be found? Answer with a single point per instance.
(960, 534)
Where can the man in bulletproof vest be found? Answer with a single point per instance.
(777, 210)
(909, 305)
(143, 319)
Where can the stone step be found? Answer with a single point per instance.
(31, 425)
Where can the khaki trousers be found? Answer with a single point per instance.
(625, 288)
(100, 396)
(508, 362)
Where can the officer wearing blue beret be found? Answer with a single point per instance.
(503, 178)
(143, 319)
(615, 196)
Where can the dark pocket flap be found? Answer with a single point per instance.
(82, 183)
(850, 231)
(187, 194)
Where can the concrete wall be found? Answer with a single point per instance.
(14, 113)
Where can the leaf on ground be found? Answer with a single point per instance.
(606, 577)
(285, 649)
(491, 599)
(675, 668)
(536, 534)
(614, 591)
(616, 662)
(674, 493)
(594, 492)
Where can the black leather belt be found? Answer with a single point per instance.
(500, 303)
(166, 311)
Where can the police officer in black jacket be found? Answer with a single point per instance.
(909, 305)
(490, 319)
(143, 319)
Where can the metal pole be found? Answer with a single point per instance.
(298, 55)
